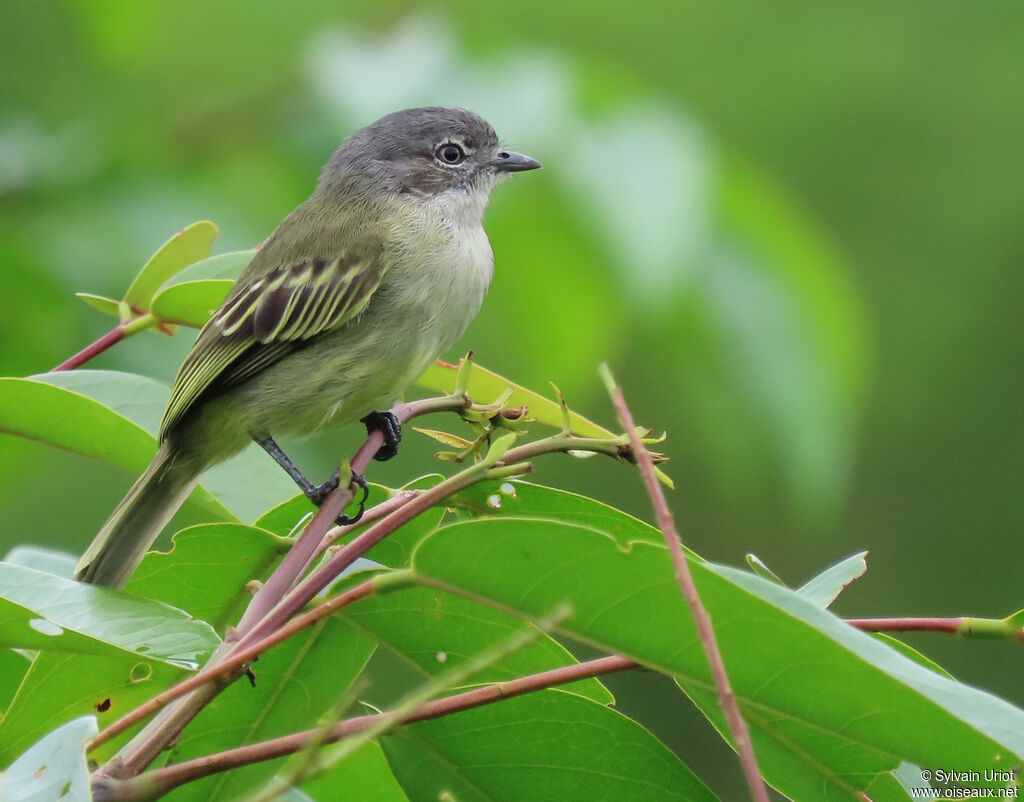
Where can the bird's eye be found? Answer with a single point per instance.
(450, 153)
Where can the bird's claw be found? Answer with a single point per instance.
(388, 424)
(317, 495)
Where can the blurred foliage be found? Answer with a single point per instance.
(793, 229)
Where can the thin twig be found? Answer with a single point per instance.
(706, 633)
(135, 756)
(115, 335)
(287, 573)
(357, 547)
(230, 665)
(281, 598)
(164, 779)
(111, 338)
(988, 628)
(372, 515)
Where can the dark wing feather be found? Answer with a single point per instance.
(269, 317)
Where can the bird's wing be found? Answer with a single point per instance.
(268, 317)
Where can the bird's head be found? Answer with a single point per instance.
(425, 152)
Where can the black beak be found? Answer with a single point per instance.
(509, 162)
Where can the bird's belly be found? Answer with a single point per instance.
(342, 376)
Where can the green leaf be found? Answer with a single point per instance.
(758, 566)
(434, 631)
(205, 574)
(518, 499)
(50, 613)
(364, 775)
(546, 745)
(396, 550)
(287, 518)
(911, 653)
(888, 788)
(241, 487)
(50, 561)
(59, 687)
(114, 417)
(1016, 619)
(183, 249)
(207, 571)
(13, 666)
(191, 303)
(191, 296)
(829, 707)
(55, 408)
(485, 386)
(823, 589)
(296, 682)
(107, 306)
(910, 777)
(54, 768)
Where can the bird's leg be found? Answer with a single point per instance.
(268, 444)
(315, 493)
(387, 423)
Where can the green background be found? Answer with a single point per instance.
(793, 229)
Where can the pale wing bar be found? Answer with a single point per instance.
(267, 320)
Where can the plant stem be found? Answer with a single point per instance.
(356, 548)
(144, 747)
(282, 596)
(112, 337)
(235, 660)
(989, 628)
(372, 515)
(160, 781)
(684, 578)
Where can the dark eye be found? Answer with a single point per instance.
(450, 153)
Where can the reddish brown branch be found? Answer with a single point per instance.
(125, 329)
(285, 576)
(684, 578)
(906, 624)
(965, 626)
(235, 660)
(109, 339)
(260, 619)
(161, 781)
(357, 547)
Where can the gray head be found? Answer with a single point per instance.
(423, 152)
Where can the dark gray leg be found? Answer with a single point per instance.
(315, 493)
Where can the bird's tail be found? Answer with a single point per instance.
(135, 523)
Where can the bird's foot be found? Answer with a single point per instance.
(317, 494)
(387, 423)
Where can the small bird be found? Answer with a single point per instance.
(352, 297)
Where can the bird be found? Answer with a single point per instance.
(350, 299)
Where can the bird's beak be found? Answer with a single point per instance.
(509, 162)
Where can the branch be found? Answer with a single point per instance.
(111, 338)
(350, 552)
(737, 726)
(161, 781)
(988, 628)
(229, 667)
(135, 756)
(511, 463)
(281, 597)
(284, 577)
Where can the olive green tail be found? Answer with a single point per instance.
(117, 550)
